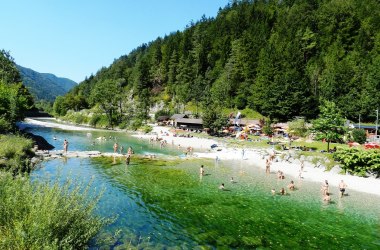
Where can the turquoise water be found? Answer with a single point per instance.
(161, 204)
(87, 140)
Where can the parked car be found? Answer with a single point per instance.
(370, 145)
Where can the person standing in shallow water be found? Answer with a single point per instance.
(327, 197)
(325, 187)
(115, 147)
(202, 171)
(128, 159)
(267, 166)
(342, 188)
(65, 146)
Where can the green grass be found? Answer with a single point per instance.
(36, 215)
(14, 153)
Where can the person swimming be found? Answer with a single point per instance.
(291, 185)
(327, 197)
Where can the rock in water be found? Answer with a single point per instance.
(40, 141)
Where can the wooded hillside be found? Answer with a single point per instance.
(280, 58)
(44, 86)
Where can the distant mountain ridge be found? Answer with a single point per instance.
(45, 86)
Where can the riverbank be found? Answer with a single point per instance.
(254, 157)
(257, 157)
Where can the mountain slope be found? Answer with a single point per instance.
(45, 86)
(282, 59)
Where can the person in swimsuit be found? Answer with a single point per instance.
(201, 170)
(325, 187)
(342, 188)
(291, 185)
(65, 146)
(267, 166)
(128, 159)
(327, 197)
(115, 146)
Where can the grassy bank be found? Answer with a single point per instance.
(15, 152)
(40, 215)
(35, 215)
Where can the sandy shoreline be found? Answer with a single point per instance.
(256, 157)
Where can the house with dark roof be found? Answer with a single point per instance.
(188, 123)
(163, 118)
(178, 116)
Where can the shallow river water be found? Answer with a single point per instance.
(164, 203)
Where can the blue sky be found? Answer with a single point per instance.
(74, 38)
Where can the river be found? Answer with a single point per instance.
(164, 203)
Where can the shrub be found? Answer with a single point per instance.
(5, 126)
(103, 121)
(123, 125)
(95, 118)
(358, 161)
(359, 136)
(267, 128)
(147, 129)
(298, 127)
(135, 124)
(14, 153)
(80, 118)
(35, 215)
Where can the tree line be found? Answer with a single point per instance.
(280, 58)
(15, 98)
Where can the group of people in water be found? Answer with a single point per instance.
(291, 186)
(326, 191)
(121, 151)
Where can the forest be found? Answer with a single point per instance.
(282, 59)
(15, 98)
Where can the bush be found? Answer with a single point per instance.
(298, 127)
(5, 126)
(359, 136)
(103, 121)
(98, 120)
(95, 118)
(80, 119)
(14, 153)
(123, 125)
(147, 129)
(135, 124)
(358, 161)
(36, 215)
